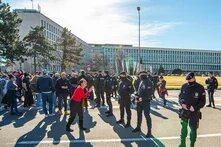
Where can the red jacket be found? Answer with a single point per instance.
(79, 94)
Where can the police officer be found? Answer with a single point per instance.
(155, 81)
(95, 81)
(108, 90)
(137, 83)
(145, 92)
(192, 98)
(100, 89)
(125, 89)
(212, 85)
(114, 86)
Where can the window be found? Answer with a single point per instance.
(42, 23)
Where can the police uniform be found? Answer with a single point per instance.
(145, 92)
(100, 90)
(125, 89)
(191, 94)
(108, 90)
(212, 85)
(95, 82)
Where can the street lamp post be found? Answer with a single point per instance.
(140, 59)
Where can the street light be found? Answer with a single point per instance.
(140, 59)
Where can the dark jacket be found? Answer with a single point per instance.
(108, 84)
(145, 89)
(63, 83)
(136, 84)
(11, 85)
(45, 84)
(192, 96)
(54, 80)
(100, 82)
(212, 83)
(96, 82)
(125, 88)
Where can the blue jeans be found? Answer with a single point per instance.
(38, 100)
(47, 97)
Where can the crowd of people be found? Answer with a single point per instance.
(55, 91)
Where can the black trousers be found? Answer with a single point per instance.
(211, 98)
(144, 106)
(75, 108)
(100, 95)
(62, 98)
(28, 98)
(125, 104)
(108, 100)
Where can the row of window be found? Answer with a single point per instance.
(156, 51)
(53, 67)
(158, 56)
(51, 32)
(51, 28)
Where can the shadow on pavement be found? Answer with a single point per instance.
(27, 116)
(18, 121)
(128, 138)
(36, 134)
(57, 129)
(88, 123)
(157, 114)
(169, 106)
(217, 108)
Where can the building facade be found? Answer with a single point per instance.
(170, 58)
(52, 30)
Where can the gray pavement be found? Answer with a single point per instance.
(32, 129)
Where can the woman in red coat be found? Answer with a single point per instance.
(75, 104)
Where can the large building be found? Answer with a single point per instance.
(170, 58)
(118, 57)
(52, 30)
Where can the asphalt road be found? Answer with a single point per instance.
(32, 129)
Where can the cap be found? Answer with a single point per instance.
(190, 75)
(26, 74)
(123, 73)
(142, 73)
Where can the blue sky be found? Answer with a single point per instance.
(194, 24)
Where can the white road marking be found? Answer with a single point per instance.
(142, 139)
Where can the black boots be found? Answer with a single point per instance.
(69, 129)
(127, 125)
(81, 125)
(149, 134)
(121, 121)
(137, 129)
